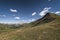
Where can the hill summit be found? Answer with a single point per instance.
(45, 19)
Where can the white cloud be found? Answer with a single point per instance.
(13, 10)
(24, 21)
(17, 18)
(57, 12)
(31, 20)
(45, 10)
(21, 22)
(13, 15)
(52, 12)
(28, 21)
(3, 15)
(49, 0)
(34, 13)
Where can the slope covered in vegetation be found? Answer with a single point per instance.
(48, 30)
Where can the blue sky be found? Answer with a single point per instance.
(18, 11)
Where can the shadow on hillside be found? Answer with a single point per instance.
(43, 21)
(47, 18)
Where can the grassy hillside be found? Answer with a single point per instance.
(46, 31)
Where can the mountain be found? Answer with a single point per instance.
(45, 19)
(46, 28)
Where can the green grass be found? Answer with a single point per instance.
(46, 31)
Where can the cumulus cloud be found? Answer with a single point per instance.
(24, 21)
(49, 0)
(44, 11)
(52, 12)
(57, 12)
(28, 21)
(34, 13)
(13, 15)
(17, 18)
(31, 20)
(3, 15)
(13, 10)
